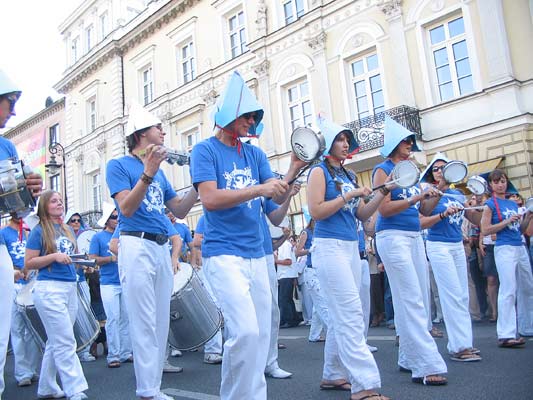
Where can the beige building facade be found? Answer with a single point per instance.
(457, 72)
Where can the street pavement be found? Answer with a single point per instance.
(502, 374)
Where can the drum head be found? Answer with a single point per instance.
(529, 204)
(477, 185)
(406, 174)
(307, 144)
(182, 277)
(84, 240)
(454, 171)
(24, 297)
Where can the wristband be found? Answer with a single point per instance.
(442, 216)
(384, 190)
(344, 198)
(147, 179)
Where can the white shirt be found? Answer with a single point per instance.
(285, 252)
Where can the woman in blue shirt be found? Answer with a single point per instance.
(446, 253)
(55, 295)
(501, 217)
(335, 202)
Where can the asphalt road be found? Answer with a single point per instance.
(502, 374)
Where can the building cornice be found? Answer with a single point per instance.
(75, 15)
(36, 119)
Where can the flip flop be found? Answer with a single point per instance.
(509, 343)
(424, 381)
(376, 396)
(465, 356)
(345, 386)
(114, 364)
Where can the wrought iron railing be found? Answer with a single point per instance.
(369, 130)
(90, 218)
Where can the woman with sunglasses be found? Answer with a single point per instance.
(501, 217)
(446, 254)
(401, 248)
(334, 200)
(55, 295)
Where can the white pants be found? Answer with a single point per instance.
(364, 293)
(24, 346)
(319, 321)
(6, 303)
(147, 282)
(346, 355)
(57, 305)
(117, 324)
(214, 345)
(307, 300)
(272, 360)
(243, 292)
(448, 262)
(404, 259)
(512, 263)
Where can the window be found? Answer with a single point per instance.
(53, 134)
(293, 9)
(91, 114)
(96, 192)
(299, 103)
(237, 34)
(89, 37)
(104, 25)
(55, 183)
(190, 138)
(188, 62)
(366, 81)
(450, 59)
(75, 44)
(147, 85)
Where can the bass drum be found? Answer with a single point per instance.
(84, 240)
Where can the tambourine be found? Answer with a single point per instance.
(405, 174)
(454, 171)
(477, 185)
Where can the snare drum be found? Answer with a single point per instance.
(15, 198)
(477, 185)
(405, 174)
(307, 144)
(455, 171)
(529, 204)
(194, 316)
(86, 327)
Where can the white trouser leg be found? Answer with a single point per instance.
(403, 257)
(24, 348)
(422, 273)
(116, 326)
(6, 288)
(364, 291)
(339, 271)
(448, 262)
(57, 305)
(320, 308)
(147, 286)
(272, 360)
(243, 291)
(214, 345)
(524, 295)
(307, 303)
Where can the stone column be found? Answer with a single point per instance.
(322, 98)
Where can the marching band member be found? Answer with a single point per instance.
(117, 326)
(446, 254)
(56, 299)
(9, 94)
(501, 217)
(405, 262)
(230, 177)
(334, 200)
(141, 191)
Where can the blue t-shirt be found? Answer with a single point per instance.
(307, 246)
(123, 174)
(408, 219)
(200, 226)
(7, 150)
(100, 247)
(361, 236)
(268, 205)
(510, 235)
(15, 248)
(236, 230)
(342, 224)
(55, 271)
(449, 229)
(185, 233)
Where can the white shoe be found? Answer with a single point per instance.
(212, 358)
(57, 395)
(78, 396)
(163, 396)
(277, 373)
(372, 349)
(175, 353)
(168, 368)
(86, 358)
(24, 382)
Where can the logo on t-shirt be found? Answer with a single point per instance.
(239, 179)
(154, 198)
(353, 203)
(508, 213)
(64, 245)
(409, 192)
(456, 218)
(18, 249)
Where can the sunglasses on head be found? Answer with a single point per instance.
(74, 220)
(113, 217)
(249, 115)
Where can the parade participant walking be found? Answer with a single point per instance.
(334, 199)
(446, 254)
(501, 217)
(141, 191)
(117, 325)
(230, 177)
(405, 262)
(55, 296)
(9, 94)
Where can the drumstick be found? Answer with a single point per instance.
(392, 182)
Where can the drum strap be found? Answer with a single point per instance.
(497, 207)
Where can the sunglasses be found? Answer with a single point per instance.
(407, 141)
(113, 217)
(437, 169)
(249, 115)
(12, 98)
(74, 220)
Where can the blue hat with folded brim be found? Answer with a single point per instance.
(236, 101)
(394, 133)
(438, 156)
(8, 86)
(511, 189)
(331, 130)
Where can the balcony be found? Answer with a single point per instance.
(369, 130)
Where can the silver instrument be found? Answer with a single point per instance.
(15, 197)
(85, 263)
(177, 157)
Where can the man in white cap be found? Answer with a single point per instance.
(231, 176)
(9, 94)
(117, 326)
(141, 192)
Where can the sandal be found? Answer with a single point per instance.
(374, 396)
(346, 386)
(439, 381)
(436, 333)
(113, 364)
(508, 343)
(465, 356)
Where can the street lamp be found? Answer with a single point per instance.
(53, 167)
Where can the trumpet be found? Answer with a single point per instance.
(173, 156)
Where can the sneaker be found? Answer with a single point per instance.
(168, 368)
(277, 373)
(86, 358)
(24, 382)
(175, 353)
(372, 349)
(57, 395)
(163, 396)
(78, 396)
(212, 358)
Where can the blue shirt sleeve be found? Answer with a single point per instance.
(117, 177)
(35, 239)
(202, 164)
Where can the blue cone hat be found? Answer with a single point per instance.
(394, 133)
(237, 100)
(8, 86)
(331, 130)
(511, 189)
(438, 156)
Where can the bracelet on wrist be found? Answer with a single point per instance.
(442, 216)
(384, 190)
(147, 179)
(344, 198)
